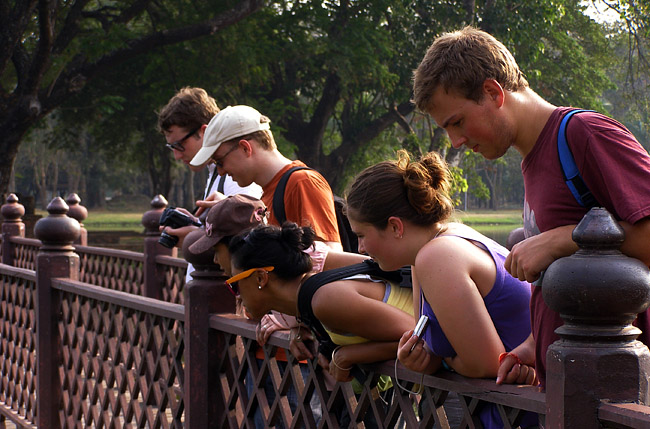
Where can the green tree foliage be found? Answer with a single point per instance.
(335, 78)
(50, 49)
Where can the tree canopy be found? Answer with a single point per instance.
(333, 76)
(50, 50)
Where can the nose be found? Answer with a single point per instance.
(221, 171)
(362, 248)
(457, 140)
(177, 154)
(215, 259)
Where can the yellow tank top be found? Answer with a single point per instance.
(398, 297)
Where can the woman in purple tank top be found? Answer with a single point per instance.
(477, 312)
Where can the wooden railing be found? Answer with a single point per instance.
(110, 355)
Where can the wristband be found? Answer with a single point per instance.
(504, 355)
(334, 361)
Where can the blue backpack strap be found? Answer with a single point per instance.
(572, 176)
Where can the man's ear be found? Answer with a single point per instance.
(246, 146)
(494, 92)
(201, 131)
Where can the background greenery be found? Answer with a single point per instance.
(77, 111)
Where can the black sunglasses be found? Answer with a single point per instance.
(178, 145)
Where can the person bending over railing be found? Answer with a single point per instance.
(477, 313)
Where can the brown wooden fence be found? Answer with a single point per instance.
(118, 340)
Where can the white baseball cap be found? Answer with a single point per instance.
(230, 123)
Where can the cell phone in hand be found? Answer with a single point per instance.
(419, 328)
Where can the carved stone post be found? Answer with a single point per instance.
(80, 213)
(12, 226)
(598, 292)
(206, 293)
(55, 259)
(154, 276)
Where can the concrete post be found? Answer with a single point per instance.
(55, 259)
(598, 292)
(12, 226)
(154, 276)
(80, 213)
(205, 294)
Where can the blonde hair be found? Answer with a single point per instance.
(417, 191)
(461, 61)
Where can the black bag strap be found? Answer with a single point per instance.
(221, 185)
(278, 194)
(570, 171)
(211, 184)
(316, 281)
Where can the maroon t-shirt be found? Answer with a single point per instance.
(615, 168)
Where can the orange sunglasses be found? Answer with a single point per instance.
(232, 282)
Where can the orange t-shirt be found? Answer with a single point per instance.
(308, 201)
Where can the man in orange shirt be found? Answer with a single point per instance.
(239, 140)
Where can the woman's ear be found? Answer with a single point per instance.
(395, 226)
(262, 277)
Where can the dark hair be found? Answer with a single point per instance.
(269, 245)
(190, 108)
(417, 191)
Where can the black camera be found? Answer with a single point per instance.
(174, 219)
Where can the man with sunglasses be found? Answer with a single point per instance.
(239, 141)
(183, 121)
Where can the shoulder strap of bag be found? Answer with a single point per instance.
(313, 283)
(316, 281)
(278, 194)
(213, 177)
(572, 177)
(221, 184)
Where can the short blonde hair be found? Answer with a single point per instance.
(461, 61)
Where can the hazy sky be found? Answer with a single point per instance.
(600, 12)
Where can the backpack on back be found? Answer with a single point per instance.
(347, 236)
(316, 281)
(572, 176)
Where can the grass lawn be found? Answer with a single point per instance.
(490, 217)
(104, 220)
(495, 224)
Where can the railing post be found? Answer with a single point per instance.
(154, 276)
(12, 226)
(598, 292)
(79, 213)
(206, 293)
(56, 258)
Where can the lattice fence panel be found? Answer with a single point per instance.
(256, 393)
(18, 346)
(121, 367)
(25, 255)
(112, 272)
(174, 284)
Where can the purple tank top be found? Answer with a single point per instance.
(508, 304)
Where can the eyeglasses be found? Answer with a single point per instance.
(232, 282)
(178, 145)
(220, 161)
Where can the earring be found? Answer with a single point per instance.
(259, 287)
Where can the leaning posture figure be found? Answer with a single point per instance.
(366, 317)
(400, 211)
